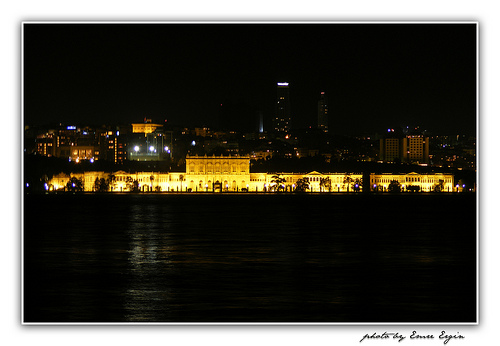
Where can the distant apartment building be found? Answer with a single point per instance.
(409, 148)
(323, 112)
(390, 149)
(415, 149)
(112, 146)
(282, 121)
(46, 144)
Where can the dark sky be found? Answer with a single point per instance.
(376, 76)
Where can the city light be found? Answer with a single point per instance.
(283, 84)
(151, 148)
(136, 148)
(166, 148)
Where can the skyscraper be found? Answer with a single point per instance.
(282, 121)
(323, 113)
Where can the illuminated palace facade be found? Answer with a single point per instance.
(232, 174)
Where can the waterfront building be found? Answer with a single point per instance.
(434, 182)
(232, 174)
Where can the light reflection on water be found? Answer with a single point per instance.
(262, 259)
(149, 256)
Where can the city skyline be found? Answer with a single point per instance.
(376, 76)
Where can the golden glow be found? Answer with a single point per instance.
(145, 128)
(211, 173)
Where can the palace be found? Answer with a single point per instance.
(232, 174)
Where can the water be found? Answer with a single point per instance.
(249, 258)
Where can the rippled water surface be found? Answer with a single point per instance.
(249, 258)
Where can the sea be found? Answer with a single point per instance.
(249, 258)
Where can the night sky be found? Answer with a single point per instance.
(376, 76)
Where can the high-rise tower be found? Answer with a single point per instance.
(282, 120)
(323, 113)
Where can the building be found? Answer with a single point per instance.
(390, 149)
(112, 146)
(224, 173)
(323, 113)
(46, 144)
(149, 142)
(231, 174)
(409, 148)
(282, 121)
(415, 149)
(146, 127)
(438, 182)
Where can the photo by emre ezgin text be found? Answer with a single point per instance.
(443, 336)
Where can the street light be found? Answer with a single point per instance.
(136, 148)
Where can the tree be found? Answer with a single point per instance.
(181, 178)
(394, 186)
(112, 181)
(302, 185)
(278, 182)
(74, 184)
(357, 184)
(439, 187)
(348, 181)
(101, 185)
(132, 185)
(325, 183)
